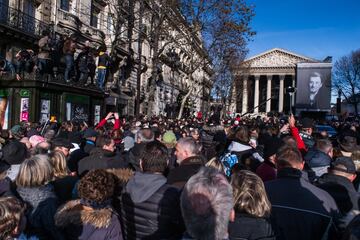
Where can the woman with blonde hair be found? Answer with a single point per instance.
(252, 208)
(64, 182)
(34, 188)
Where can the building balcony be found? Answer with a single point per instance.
(69, 21)
(18, 21)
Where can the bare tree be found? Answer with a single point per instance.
(224, 26)
(346, 77)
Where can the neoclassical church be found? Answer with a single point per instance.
(261, 81)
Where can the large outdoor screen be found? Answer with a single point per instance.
(313, 86)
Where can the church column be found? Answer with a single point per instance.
(244, 95)
(293, 85)
(281, 93)
(268, 93)
(256, 95)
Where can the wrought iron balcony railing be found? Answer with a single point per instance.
(21, 21)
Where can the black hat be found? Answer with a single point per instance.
(307, 123)
(62, 142)
(342, 162)
(14, 152)
(348, 144)
(90, 133)
(271, 146)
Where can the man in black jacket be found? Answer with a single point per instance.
(101, 157)
(299, 209)
(338, 183)
(150, 207)
(187, 153)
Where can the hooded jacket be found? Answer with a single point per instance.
(150, 208)
(42, 204)
(79, 223)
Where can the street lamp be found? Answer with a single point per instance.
(290, 90)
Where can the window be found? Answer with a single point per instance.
(65, 5)
(95, 12)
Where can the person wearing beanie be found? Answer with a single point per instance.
(267, 169)
(169, 140)
(14, 153)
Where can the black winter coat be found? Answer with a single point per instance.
(249, 227)
(100, 159)
(342, 190)
(150, 208)
(299, 209)
(188, 167)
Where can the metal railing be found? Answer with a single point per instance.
(21, 21)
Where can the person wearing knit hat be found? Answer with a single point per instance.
(14, 153)
(17, 132)
(169, 139)
(267, 170)
(35, 140)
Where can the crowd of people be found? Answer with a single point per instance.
(159, 178)
(56, 54)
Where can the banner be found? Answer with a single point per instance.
(313, 86)
(4, 113)
(97, 114)
(44, 110)
(24, 109)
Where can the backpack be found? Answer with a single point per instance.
(228, 160)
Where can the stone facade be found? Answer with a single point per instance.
(262, 79)
(93, 21)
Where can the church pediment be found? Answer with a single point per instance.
(275, 58)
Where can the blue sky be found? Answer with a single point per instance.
(316, 28)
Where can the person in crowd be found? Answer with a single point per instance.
(215, 163)
(267, 169)
(347, 144)
(6, 67)
(355, 156)
(12, 219)
(299, 209)
(35, 140)
(63, 145)
(188, 156)
(17, 132)
(143, 136)
(207, 205)
(90, 136)
(169, 140)
(213, 137)
(43, 58)
(92, 216)
(252, 208)
(63, 182)
(320, 156)
(150, 207)
(296, 135)
(24, 62)
(307, 125)
(6, 188)
(14, 153)
(102, 157)
(109, 116)
(338, 183)
(69, 49)
(34, 188)
(82, 64)
(103, 64)
(195, 134)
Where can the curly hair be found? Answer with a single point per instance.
(97, 186)
(11, 211)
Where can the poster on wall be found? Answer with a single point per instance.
(68, 111)
(44, 110)
(4, 113)
(97, 114)
(24, 109)
(313, 86)
(79, 112)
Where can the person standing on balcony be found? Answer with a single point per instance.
(82, 61)
(103, 63)
(24, 62)
(44, 53)
(69, 50)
